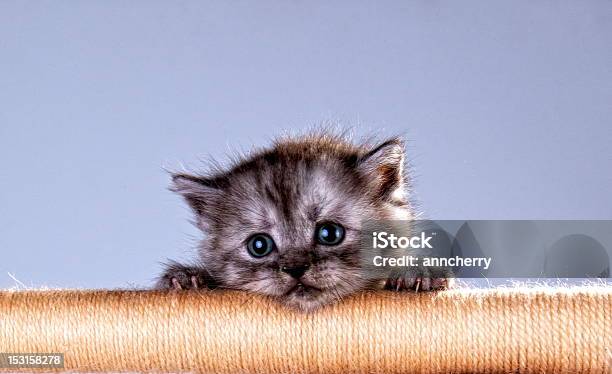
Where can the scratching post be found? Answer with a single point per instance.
(475, 331)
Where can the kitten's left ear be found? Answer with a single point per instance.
(384, 165)
(200, 193)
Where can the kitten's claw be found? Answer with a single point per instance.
(417, 284)
(176, 284)
(179, 281)
(178, 277)
(441, 283)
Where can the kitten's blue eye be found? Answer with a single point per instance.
(260, 245)
(330, 233)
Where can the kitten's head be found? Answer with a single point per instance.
(286, 221)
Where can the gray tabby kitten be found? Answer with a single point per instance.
(285, 221)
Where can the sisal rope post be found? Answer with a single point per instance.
(475, 331)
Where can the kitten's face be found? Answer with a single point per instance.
(288, 225)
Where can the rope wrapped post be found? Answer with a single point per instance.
(475, 331)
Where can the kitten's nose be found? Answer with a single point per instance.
(295, 271)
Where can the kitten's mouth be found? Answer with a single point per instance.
(301, 289)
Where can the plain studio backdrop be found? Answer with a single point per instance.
(507, 107)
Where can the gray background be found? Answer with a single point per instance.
(506, 105)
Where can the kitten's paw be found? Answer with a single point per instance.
(417, 284)
(184, 282)
(423, 280)
(180, 277)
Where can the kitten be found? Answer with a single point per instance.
(285, 222)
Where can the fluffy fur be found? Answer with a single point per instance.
(285, 191)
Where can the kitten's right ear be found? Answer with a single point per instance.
(384, 165)
(199, 192)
